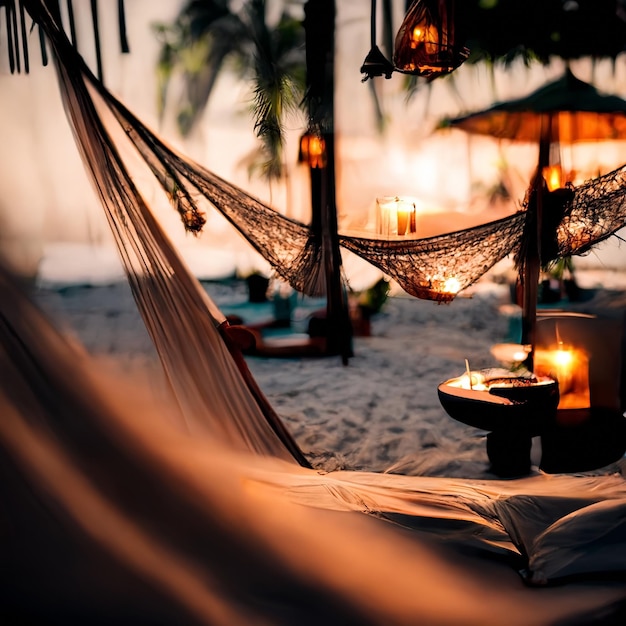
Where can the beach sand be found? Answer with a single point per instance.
(155, 525)
(379, 413)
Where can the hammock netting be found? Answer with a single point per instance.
(423, 268)
(211, 518)
(288, 246)
(596, 210)
(434, 268)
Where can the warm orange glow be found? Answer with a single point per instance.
(451, 285)
(313, 150)
(554, 177)
(563, 359)
(425, 35)
(396, 215)
(426, 44)
(510, 353)
(404, 219)
(570, 367)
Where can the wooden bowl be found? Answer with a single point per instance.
(515, 405)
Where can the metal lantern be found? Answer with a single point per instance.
(312, 150)
(426, 44)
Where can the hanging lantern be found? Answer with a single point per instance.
(426, 44)
(312, 150)
(553, 175)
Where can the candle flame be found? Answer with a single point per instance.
(553, 175)
(570, 367)
(563, 358)
(451, 285)
(425, 35)
(418, 34)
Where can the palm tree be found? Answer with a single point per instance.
(208, 37)
(319, 25)
(291, 66)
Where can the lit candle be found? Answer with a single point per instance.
(425, 35)
(405, 210)
(570, 367)
(451, 285)
(563, 365)
(395, 215)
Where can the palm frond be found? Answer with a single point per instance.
(196, 47)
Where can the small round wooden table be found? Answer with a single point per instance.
(512, 416)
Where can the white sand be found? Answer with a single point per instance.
(379, 413)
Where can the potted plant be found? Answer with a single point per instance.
(367, 304)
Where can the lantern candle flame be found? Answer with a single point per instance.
(427, 36)
(313, 150)
(570, 367)
(553, 175)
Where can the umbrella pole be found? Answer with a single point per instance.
(532, 262)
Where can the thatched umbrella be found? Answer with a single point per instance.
(564, 111)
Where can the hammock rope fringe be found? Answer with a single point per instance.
(17, 32)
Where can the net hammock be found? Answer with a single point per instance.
(153, 521)
(595, 211)
(434, 268)
(422, 267)
(180, 318)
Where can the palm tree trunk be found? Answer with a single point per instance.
(320, 59)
